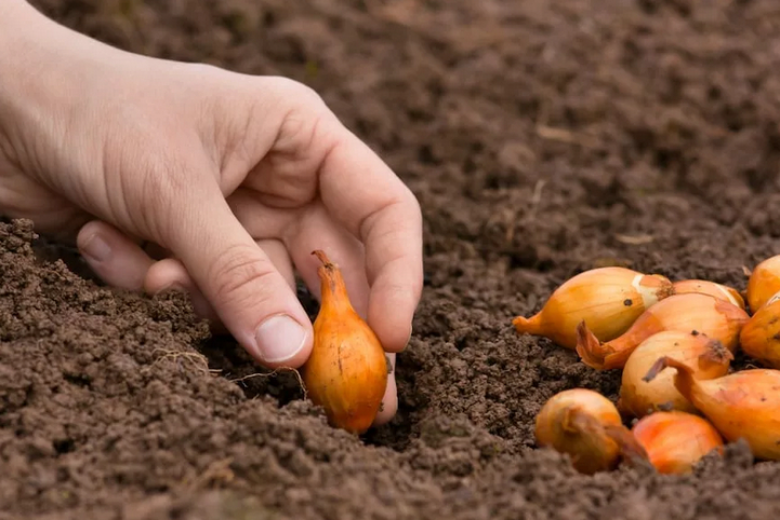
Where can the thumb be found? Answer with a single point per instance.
(251, 297)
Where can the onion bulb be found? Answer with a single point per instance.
(346, 372)
(760, 337)
(675, 441)
(716, 290)
(743, 404)
(608, 299)
(764, 283)
(586, 425)
(639, 397)
(689, 312)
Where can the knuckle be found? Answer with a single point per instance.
(240, 267)
(306, 123)
(205, 70)
(306, 132)
(300, 93)
(414, 206)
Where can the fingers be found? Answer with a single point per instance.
(252, 298)
(364, 196)
(369, 200)
(114, 257)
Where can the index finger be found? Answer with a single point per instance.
(367, 197)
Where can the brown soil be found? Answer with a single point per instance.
(537, 135)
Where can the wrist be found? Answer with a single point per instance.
(17, 17)
(18, 20)
(42, 77)
(7, 10)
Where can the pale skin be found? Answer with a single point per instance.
(234, 179)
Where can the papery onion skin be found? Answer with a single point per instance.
(346, 372)
(586, 425)
(676, 441)
(609, 299)
(638, 397)
(690, 312)
(716, 290)
(764, 283)
(760, 337)
(743, 404)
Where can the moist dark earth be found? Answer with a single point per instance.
(541, 138)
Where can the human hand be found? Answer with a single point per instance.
(235, 179)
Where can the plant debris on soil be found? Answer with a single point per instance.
(542, 139)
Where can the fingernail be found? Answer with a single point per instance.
(279, 338)
(96, 248)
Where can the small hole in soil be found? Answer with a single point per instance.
(269, 20)
(399, 433)
(77, 379)
(396, 436)
(64, 446)
(234, 363)
(425, 155)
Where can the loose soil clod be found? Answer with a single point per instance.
(542, 139)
